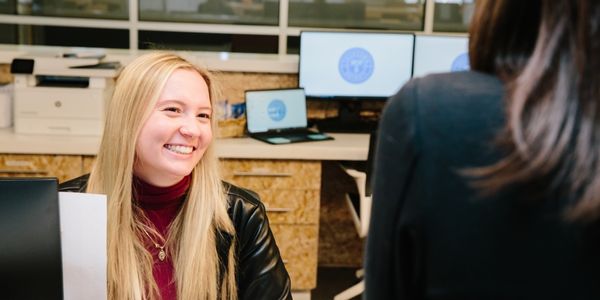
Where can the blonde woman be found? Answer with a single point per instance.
(175, 230)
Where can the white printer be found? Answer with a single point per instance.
(61, 95)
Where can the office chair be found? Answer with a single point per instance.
(360, 208)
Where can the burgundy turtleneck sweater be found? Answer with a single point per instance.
(161, 205)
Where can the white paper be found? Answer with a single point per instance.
(83, 240)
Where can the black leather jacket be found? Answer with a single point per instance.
(261, 272)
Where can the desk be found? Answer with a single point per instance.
(345, 146)
(287, 177)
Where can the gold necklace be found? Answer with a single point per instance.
(162, 254)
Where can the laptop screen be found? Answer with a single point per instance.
(275, 109)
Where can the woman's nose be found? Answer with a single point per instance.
(190, 127)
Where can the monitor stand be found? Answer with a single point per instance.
(348, 120)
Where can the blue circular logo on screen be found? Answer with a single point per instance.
(276, 110)
(460, 63)
(356, 65)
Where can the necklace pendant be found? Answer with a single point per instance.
(162, 254)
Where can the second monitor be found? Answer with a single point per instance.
(438, 54)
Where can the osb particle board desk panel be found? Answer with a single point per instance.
(27, 165)
(290, 191)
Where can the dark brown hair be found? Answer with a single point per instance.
(553, 115)
(502, 35)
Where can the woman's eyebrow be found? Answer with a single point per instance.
(170, 101)
(182, 103)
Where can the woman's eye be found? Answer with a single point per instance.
(204, 116)
(172, 109)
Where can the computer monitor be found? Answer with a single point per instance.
(351, 68)
(439, 54)
(30, 249)
(354, 65)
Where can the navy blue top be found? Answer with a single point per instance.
(432, 236)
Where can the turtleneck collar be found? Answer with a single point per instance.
(150, 197)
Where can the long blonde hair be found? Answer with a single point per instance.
(195, 231)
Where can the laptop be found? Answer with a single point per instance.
(278, 116)
(30, 247)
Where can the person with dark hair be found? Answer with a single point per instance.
(486, 182)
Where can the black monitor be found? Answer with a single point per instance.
(30, 249)
(354, 67)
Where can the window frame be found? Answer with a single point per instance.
(282, 62)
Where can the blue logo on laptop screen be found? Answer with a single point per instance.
(460, 63)
(276, 110)
(356, 65)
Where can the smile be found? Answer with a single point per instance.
(180, 149)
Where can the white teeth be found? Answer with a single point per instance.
(180, 149)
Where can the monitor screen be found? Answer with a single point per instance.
(439, 54)
(30, 248)
(356, 65)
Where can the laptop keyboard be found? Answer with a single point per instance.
(298, 135)
(295, 137)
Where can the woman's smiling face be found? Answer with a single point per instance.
(178, 131)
